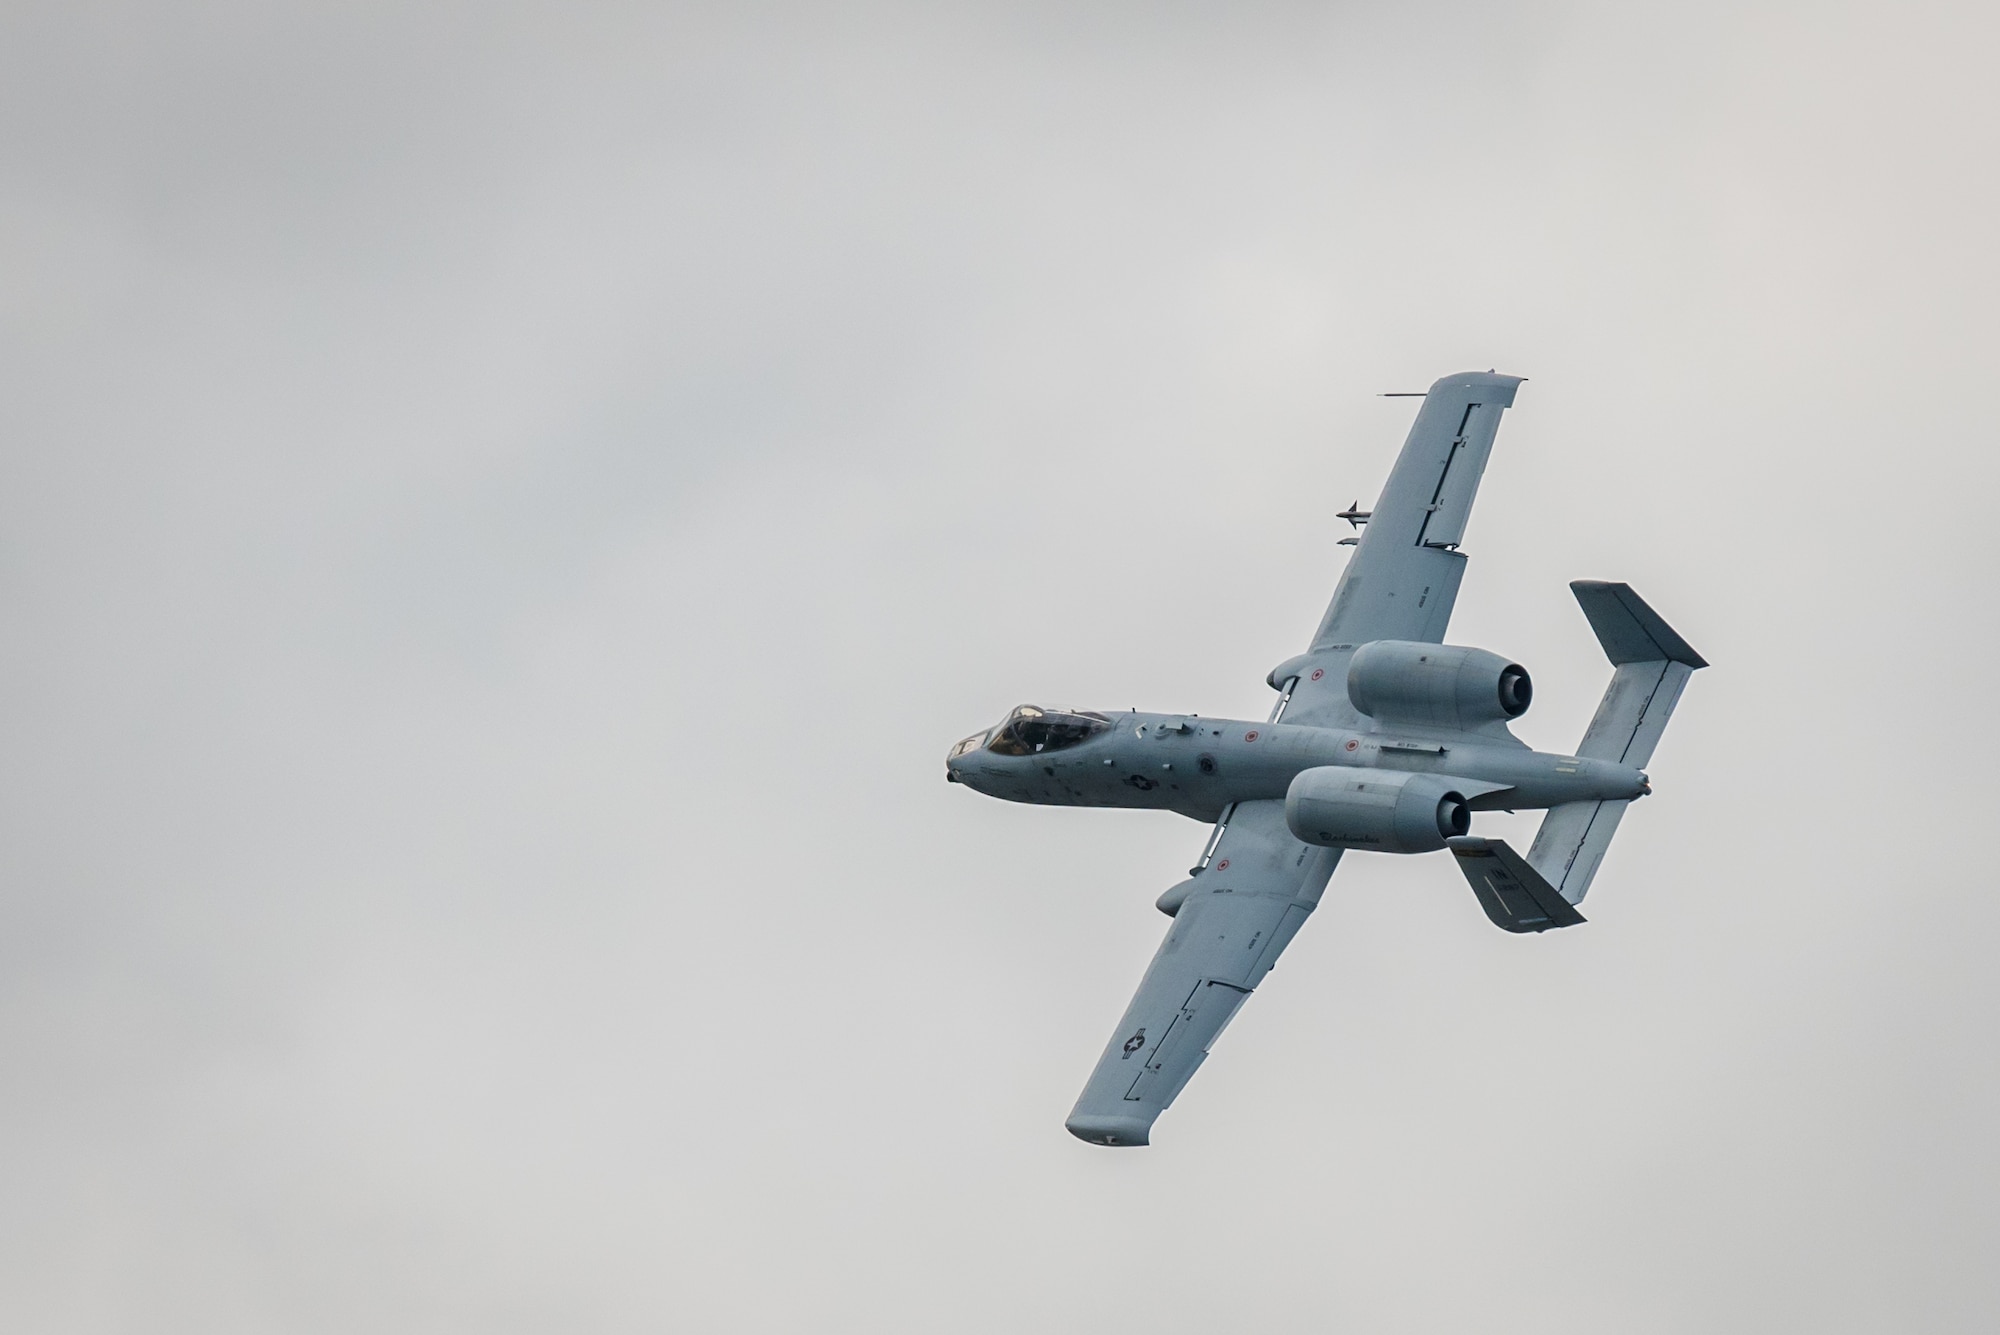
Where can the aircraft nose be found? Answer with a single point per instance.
(953, 759)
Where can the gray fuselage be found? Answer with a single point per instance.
(1197, 766)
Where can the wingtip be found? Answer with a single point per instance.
(1500, 388)
(1117, 1132)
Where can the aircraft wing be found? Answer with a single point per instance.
(1237, 916)
(1403, 578)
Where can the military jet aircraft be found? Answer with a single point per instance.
(1384, 738)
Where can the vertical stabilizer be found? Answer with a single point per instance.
(1653, 665)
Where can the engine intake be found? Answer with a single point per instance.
(1436, 685)
(1336, 806)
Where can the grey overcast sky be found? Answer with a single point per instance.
(503, 509)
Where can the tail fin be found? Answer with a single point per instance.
(1514, 895)
(1653, 664)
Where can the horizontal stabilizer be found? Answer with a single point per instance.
(1634, 712)
(1514, 895)
(1652, 664)
(1571, 843)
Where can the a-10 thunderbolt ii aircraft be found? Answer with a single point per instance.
(1384, 738)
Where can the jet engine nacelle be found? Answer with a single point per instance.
(1387, 811)
(1436, 685)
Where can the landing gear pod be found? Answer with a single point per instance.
(1338, 807)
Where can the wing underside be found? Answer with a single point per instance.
(1239, 914)
(1402, 581)
(1260, 884)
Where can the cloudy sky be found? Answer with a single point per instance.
(503, 508)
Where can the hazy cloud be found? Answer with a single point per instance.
(506, 509)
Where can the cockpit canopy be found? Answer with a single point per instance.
(1034, 729)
